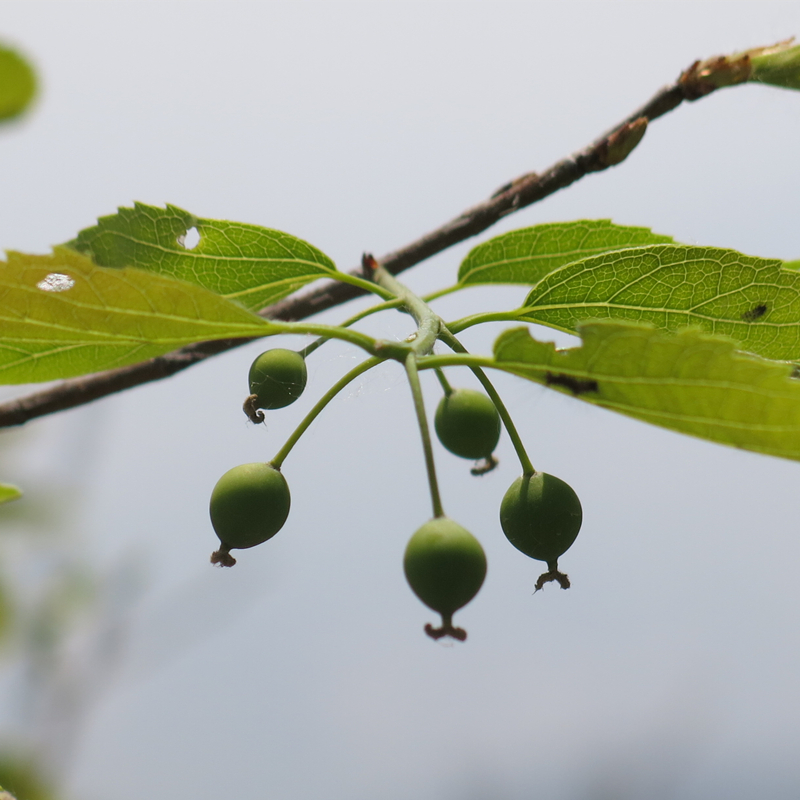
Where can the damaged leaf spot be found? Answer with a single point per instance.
(755, 313)
(575, 385)
(190, 239)
(56, 282)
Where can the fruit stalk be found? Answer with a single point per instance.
(422, 419)
(337, 387)
(445, 384)
(527, 467)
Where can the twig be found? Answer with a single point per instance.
(610, 149)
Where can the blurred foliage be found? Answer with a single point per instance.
(20, 776)
(8, 493)
(17, 83)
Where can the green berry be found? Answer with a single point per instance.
(249, 505)
(445, 565)
(541, 516)
(277, 378)
(467, 424)
(18, 86)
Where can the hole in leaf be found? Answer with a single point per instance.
(56, 282)
(190, 239)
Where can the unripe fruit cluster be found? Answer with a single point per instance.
(444, 563)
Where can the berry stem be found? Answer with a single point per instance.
(429, 327)
(419, 407)
(337, 387)
(527, 467)
(448, 389)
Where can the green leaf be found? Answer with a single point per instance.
(254, 266)
(688, 382)
(17, 83)
(752, 300)
(60, 316)
(526, 255)
(8, 492)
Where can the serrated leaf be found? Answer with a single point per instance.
(252, 265)
(8, 492)
(689, 382)
(752, 300)
(524, 256)
(61, 316)
(17, 83)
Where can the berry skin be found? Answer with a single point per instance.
(541, 516)
(445, 566)
(467, 424)
(277, 378)
(249, 505)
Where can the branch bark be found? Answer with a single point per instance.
(608, 150)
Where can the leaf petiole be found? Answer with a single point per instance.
(478, 319)
(317, 343)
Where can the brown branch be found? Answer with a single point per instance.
(610, 149)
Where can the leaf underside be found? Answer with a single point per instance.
(524, 256)
(689, 382)
(61, 316)
(252, 265)
(752, 300)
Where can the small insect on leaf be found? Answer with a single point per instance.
(755, 313)
(575, 385)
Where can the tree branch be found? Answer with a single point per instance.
(611, 148)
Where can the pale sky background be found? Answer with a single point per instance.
(671, 669)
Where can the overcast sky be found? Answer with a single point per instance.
(669, 670)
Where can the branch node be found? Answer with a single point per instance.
(704, 77)
(617, 146)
